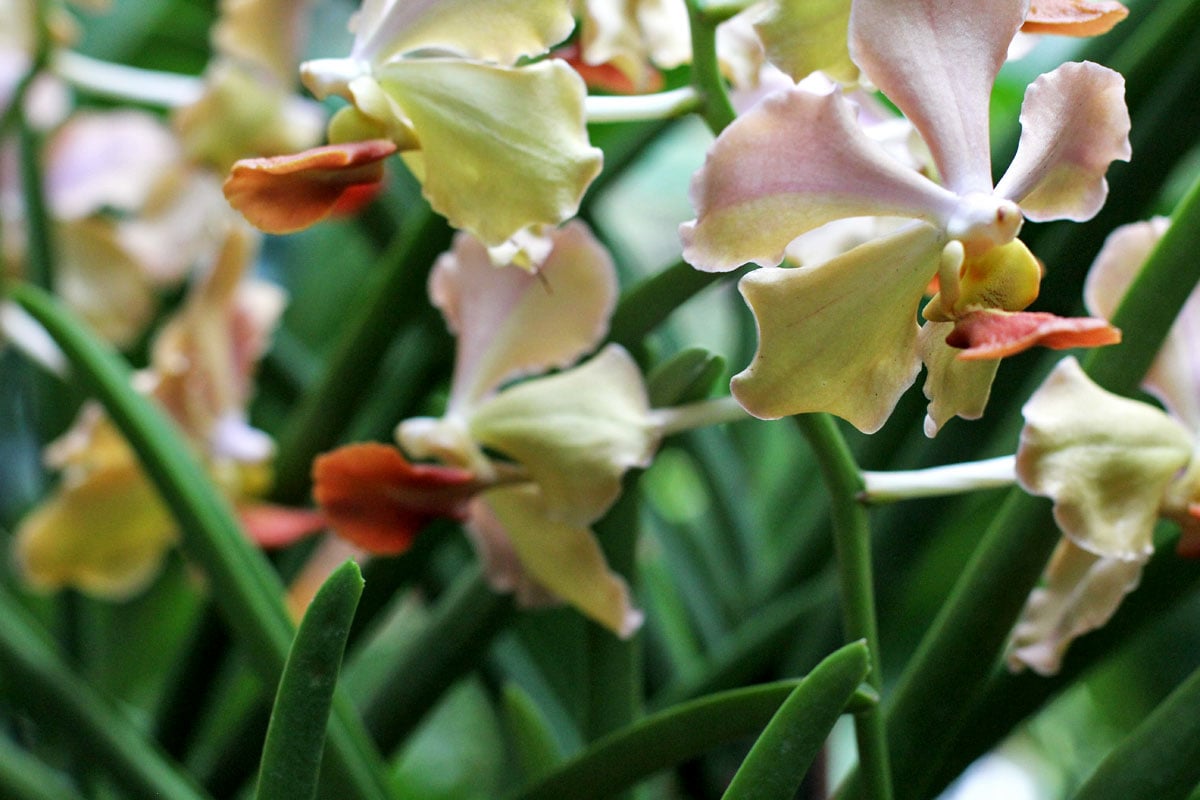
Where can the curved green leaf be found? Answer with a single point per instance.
(783, 753)
(291, 759)
(530, 732)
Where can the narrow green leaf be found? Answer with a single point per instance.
(291, 759)
(665, 739)
(783, 753)
(24, 777)
(532, 737)
(248, 591)
(1160, 759)
(645, 306)
(686, 377)
(40, 683)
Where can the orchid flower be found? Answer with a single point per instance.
(1111, 465)
(104, 530)
(842, 336)
(527, 467)
(248, 106)
(499, 148)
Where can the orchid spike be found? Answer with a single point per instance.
(800, 160)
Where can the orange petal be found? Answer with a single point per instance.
(995, 334)
(272, 526)
(373, 497)
(1073, 17)
(283, 194)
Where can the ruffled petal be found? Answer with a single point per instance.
(839, 337)
(576, 432)
(1174, 377)
(101, 280)
(1105, 461)
(954, 387)
(792, 163)
(992, 333)
(491, 30)
(635, 38)
(284, 194)
(501, 148)
(1073, 17)
(378, 501)
(937, 61)
(268, 34)
(1081, 592)
(511, 323)
(1074, 123)
(802, 38)
(564, 558)
(105, 535)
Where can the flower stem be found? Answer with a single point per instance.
(852, 542)
(129, 84)
(888, 487)
(716, 108)
(640, 108)
(698, 415)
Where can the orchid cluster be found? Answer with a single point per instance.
(155, 223)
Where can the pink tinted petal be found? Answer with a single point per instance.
(284, 194)
(937, 60)
(510, 322)
(839, 337)
(271, 526)
(1073, 125)
(791, 164)
(378, 501)
(1174, 377)
(1073, 17)
(990, 333)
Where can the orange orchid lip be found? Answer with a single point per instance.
(284, 194)
(989, 334)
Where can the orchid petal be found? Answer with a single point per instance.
(1073, 125)
(576, 432)
(377, 500)
(954, 387)
(1073, 17)
(992, 333)
(839, 337)
(937, 61)
(501, 31)
(635, 37)
(1174, 377)
(501, 148)
(1081, 592)
(794, 162)
(271, 526)
(564, 558)
(1105, 461)
(101, 281)
(109, 159)
(105, 535)
(283, 194)
(240, 34)
(803, 36)
(510, 323)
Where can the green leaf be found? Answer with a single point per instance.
(783, 753)
(24, 777)
(291, 759)
(36, 680)
(665, 739)
(686, 377)
(244, 585)
(1160, 759)
(530, 732)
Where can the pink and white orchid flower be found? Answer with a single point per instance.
(563, 440)
(1113, 466)
(499, 148)
(842, 336)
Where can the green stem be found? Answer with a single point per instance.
(645, 306)
(24, 777)
(852, 543)
(716, 108)
(248, 591)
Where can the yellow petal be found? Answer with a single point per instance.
(564, 558)
(954, 387)
(501, 148)
(840, 337)
(803, 36)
